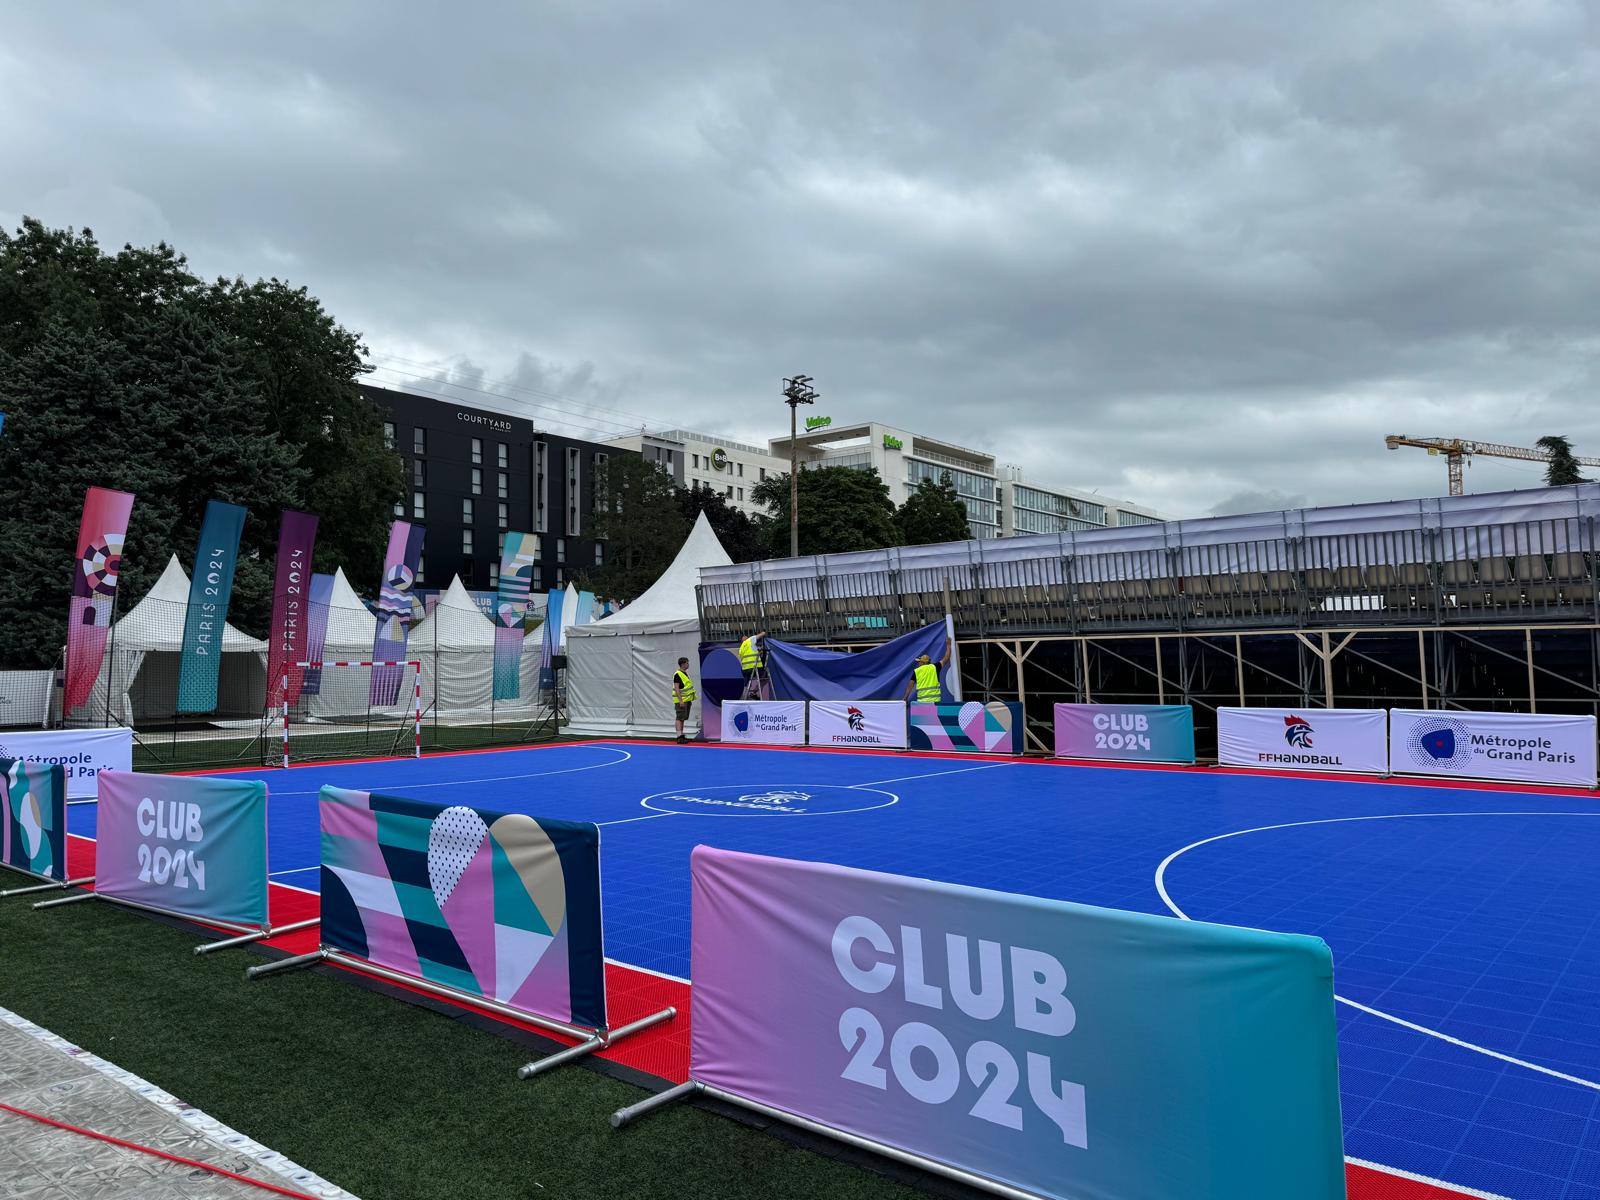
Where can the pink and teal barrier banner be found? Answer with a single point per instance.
(511, 613)
(316, 633)
(189, 845)
(1157, 733)
(1064, 1050)
(210, 590)
(290, 627)
(394, 609)
(33, 818)
(94, 589)
(498, 906)
(992, 728)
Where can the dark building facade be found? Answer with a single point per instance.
(472, 474)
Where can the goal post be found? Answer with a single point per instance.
(332, 712)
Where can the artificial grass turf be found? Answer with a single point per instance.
(382, 1097)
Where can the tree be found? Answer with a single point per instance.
(638, 518)
(125, 371)
(933, 513)
(841, 509)
(304, 366)
(738, 532)
(1563, 466)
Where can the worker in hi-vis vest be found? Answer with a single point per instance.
(682, 696)
(924, 687)
(751, 664)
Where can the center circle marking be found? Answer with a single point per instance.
(769, 800)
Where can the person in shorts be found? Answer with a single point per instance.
(682, 696)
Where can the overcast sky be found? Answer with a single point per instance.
(1202, 255)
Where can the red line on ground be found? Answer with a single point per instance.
(150, 1150)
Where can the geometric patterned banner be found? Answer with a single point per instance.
(94, 588)
(499, 906)
(511, 612)
(33, 818)
(993, 728)
(394, 609)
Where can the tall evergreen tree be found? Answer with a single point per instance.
(739, 533)
(1563, 465)
(638, 518)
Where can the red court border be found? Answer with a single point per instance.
(663, 1051)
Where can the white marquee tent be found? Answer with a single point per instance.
(619, 670)
(351, 628)
(455, 643)
(140, 669)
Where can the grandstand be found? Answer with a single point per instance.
(1483, 602)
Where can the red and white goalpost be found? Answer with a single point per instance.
(367, 664)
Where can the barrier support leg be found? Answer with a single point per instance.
(258, 935)
(599, 1041)
(73, 899)
(47, 887)
(624, 1116)
(285, 964)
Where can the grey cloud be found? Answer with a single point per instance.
(1180, 254)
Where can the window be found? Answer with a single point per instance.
(477, 451)
(502, 484)
(466, 511)
(729, 492)
(669, 458)
(422, 574)
(466, 541)
(574, 485)
(419, 473)
(599, 554)
(477, 481)
(467, 569)
(419, 441)
(494, 574)
(541, 492)
(741, 493)
(696, 458)
(561, 550)
(502, 455)
(500, 546)
(740, 468)
(505, 516)
(399, 508)
(419, 507)
(763, 472)
(388, 434)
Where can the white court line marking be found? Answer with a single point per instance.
(650, 817)
(408, 787)
(1161, 888)
(930, 775)
(1454, 1188)
(294, 871)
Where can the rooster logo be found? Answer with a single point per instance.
(856, 718)
(1297, 732)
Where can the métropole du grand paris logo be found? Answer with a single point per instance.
(741, 720)
(1441, 741)
(1297, 732)
(856, 718)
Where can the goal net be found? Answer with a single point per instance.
(334, 710)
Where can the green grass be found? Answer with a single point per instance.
(383, 1097)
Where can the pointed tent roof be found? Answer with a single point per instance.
(569, 614)
(156, 622)
(351, 624)
(670, 600)
(456, 622)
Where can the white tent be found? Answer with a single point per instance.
(619, 670)
(351, 628)
(140, 669)
(456, 645)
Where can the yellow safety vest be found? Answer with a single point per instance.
(683, 693)
(749, 656)
(927, 676)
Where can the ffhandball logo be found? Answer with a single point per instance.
(856, 718)
(1297, 732)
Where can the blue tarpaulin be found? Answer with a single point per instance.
(805, 673)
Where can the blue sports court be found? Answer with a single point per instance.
(1463, 921)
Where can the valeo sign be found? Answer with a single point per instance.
(813, 423)
(890, 442)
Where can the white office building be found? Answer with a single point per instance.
(1030, 507)
(702, 460)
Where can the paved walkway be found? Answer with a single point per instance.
(48, 1075)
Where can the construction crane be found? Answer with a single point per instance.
(1457, 449)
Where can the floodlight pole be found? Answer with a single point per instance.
(796, 391)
